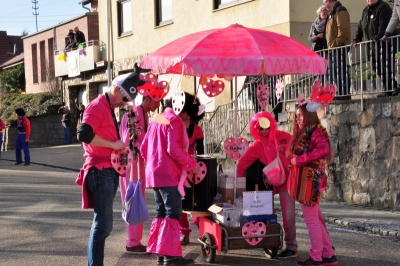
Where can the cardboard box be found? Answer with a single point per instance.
(226, 185)
(225, 213)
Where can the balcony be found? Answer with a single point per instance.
(72, 63)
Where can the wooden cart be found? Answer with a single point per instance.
(215, 236)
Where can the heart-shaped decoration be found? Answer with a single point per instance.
(146, 88)
(263, 95)
(279, 88)
(121, 159)
(322, 95)
(200, 175)
(178, 101)
(149, 77)
(159, 91)
(213, 87)
(235, 148)
(254, 229)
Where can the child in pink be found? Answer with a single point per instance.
(164, 149)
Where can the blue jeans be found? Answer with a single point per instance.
(169, 202)
(67, 135)
(103, 185)
(21, 144)
(338, 71)
(1, 142)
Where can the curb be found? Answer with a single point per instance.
(359, 226)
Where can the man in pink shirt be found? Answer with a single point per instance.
(99, 180)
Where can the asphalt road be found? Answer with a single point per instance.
(41, 223)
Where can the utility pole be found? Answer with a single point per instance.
(35, 13)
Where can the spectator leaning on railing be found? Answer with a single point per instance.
(374, 20)
(390, 30)
(338, 34)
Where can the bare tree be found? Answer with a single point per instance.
(51, 84)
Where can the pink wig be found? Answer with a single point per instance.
(255, 125)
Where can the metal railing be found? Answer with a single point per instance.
(369, 68)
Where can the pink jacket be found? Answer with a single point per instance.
(265, 151)
(319, 148)
(164, 152)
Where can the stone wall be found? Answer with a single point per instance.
(367, 152)
(45, 131)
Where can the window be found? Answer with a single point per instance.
(34, 64)
(219, 4)
(124, 17)
(42, 46)
(163, 12)
(51, 58)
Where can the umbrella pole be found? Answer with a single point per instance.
(235, 132)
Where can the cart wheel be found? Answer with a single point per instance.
(207, 252)
(271, 253)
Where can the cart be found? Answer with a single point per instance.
(215, 236)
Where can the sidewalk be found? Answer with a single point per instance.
(352, 217)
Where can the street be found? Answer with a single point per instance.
(42, 223)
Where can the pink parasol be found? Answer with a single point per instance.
(235, 51)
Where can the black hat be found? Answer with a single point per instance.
(20, 112)
(129, 82)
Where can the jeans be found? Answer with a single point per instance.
(67, 135)
(21, 144)
(338, 71)
(169, 202)
(1, 142)
(103, 185)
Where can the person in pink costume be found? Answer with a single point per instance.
(191, 118)
(310, 146)
(141, 118)
(264, 149)
(164, 149)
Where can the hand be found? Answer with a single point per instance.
(118, 145)
(384, 38)
(293, 161)
(196, 169)
(321, 35)
(354, 44)
(181, 190)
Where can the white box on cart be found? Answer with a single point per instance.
(225, 213)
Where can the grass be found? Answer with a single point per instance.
(37, 104)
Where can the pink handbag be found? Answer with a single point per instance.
(274, 172)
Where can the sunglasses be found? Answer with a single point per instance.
(261, 129)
